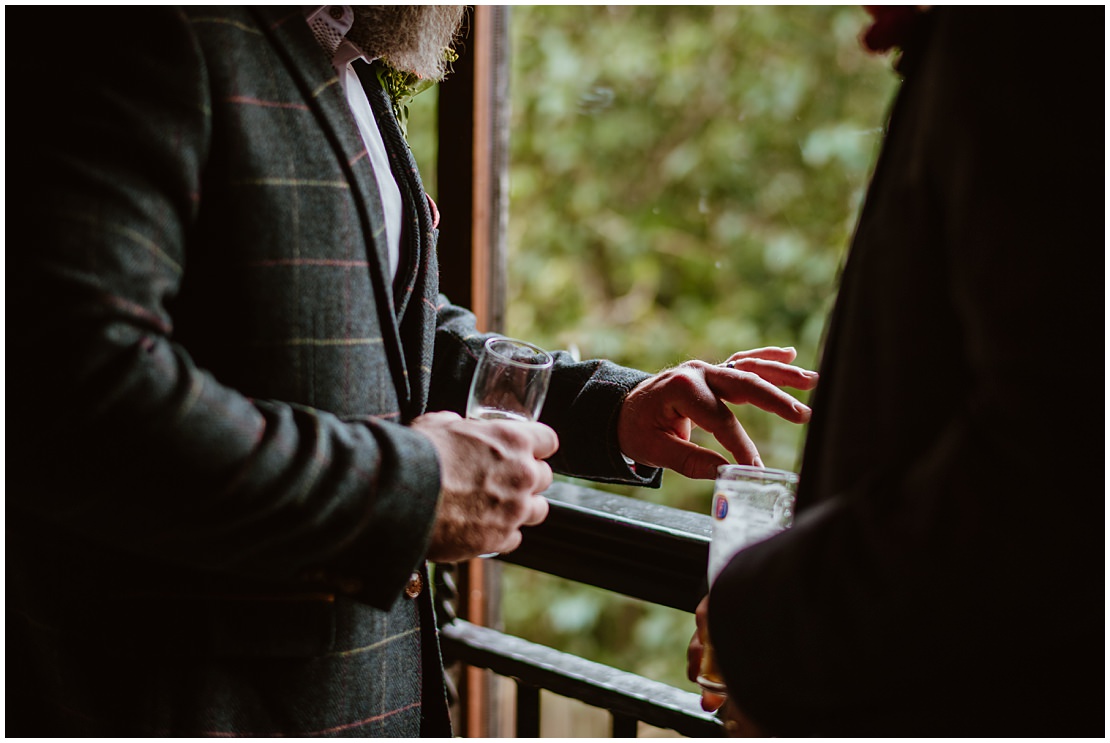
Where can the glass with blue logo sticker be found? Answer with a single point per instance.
(750, 504)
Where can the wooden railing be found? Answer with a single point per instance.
(643, 550)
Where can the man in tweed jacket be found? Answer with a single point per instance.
(224, 478)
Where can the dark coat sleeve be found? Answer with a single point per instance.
(952, 584)
(121, 437)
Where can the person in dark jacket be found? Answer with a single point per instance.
(945, 572)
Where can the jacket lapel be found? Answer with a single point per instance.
(417, 283)
(320, 86)
(403, 169)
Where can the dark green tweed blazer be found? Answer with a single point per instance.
(214, 502)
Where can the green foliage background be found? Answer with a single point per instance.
(683, 184)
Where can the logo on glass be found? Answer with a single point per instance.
(720, 507)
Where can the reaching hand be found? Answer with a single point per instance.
(657, 416)
(492, 473)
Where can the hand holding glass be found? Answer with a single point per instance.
(510, 382)
(750, 504)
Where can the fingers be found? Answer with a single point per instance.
(516, 436)
(696, 646)
(514, 540)
(774, 365)
(737, 724)
(654, 423)
(773, 353)
(749, 388)
(753, 381)
(537, 437)
(711, 702)
(718, 420)
(545, 441)
(694, 399)
(537, 510)
(701, 612)
(693, 657)
(491, 475)
(685, 458)
(775, 372)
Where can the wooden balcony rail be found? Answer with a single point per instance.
(643, 550)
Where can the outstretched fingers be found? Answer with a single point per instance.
(654, 424)
(710, 414)
(771, 353)
(774, 366)
(751, 388)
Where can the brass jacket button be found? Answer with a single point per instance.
(415, 586)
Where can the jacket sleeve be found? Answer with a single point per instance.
(582, 404)
(120, 438)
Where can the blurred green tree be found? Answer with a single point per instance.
(683, 184)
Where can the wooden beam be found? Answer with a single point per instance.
(473, 202)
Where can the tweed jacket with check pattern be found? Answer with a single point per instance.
(217, 502)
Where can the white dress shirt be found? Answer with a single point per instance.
(330, 24)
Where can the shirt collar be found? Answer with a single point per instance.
(339, 17)
(330, 24)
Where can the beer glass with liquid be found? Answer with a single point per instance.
(750, 504)
(510, 382)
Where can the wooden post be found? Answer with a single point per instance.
(473, 202)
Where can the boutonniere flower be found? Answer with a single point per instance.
(402, 87)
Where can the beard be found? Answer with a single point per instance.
(409, 38)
